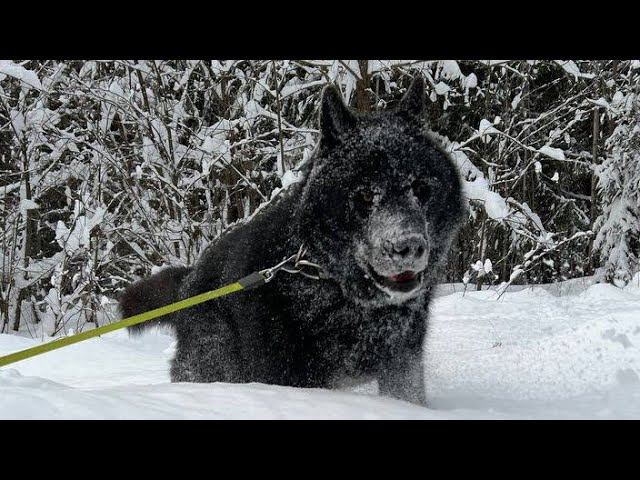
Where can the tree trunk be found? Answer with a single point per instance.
(594, 153)
(363, 102)
(28, 240)
(481, 249)
(590, 264)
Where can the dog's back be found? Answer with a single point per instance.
(153, 292)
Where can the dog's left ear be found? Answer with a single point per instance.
(413, 101)
(335, 116)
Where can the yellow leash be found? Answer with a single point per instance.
(294, 264)
(253, 280)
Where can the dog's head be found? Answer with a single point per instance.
(382, 200)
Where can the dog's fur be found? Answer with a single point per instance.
(377, 198)
(155, 291)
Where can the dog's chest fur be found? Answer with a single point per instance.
(338, 337)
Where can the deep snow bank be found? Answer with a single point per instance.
(531, 354)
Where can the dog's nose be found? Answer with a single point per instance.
(407, 247)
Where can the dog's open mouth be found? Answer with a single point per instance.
(403, 282)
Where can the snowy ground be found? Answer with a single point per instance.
(568, 351)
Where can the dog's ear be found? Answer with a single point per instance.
(413, 101)
(335, 117)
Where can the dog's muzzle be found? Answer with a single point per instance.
(398, 265)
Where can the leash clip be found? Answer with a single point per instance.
(295, 264)
(270, 273)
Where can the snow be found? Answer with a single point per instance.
(487, 128)
(538, 352)
(475, 185)
(17, 122)
(477, 266)
(471, 81)
(28, 204)
(601, 102)
(29, 78)
(441, 88)
(538, 167)
(516, 101)
(290, 177)
(291, 89)
(73, 239)
(555, 153)
(495, 206)
(571, 68)
(488, 266)
(451, 70)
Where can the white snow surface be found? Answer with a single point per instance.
(29, 78)
(555, 153)
(539, 352)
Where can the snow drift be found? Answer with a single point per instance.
(538, 352)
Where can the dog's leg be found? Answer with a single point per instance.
(206, 350)
(403, 378)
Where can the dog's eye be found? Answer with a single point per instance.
(421, 189)
(364, 197)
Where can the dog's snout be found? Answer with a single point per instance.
(407, 247)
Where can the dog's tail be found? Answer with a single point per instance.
(156, 291)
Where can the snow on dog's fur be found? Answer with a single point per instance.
(377, 207)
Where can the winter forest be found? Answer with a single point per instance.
(110, 170)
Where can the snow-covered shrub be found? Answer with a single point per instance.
(111, 169)
(618, 226)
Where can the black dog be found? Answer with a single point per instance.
(377, 207)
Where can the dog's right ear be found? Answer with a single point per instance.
(335, 116)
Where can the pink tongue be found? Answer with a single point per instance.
(403, 277)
